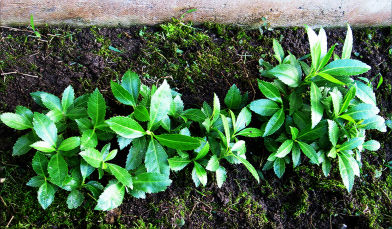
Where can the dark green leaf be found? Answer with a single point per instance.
(156, 159)
(316, 105)
(178, 163)
(294, 132)
(75, 199)
(121, 94)
(96, 107)
(131, 83)
(126, 127)
(309, 151)
(264, 107)
(275, 122)
(194, 114)
(250, 132)
(36, 181)
(85, 169)
(136, 153)
(121, 174)
(233, 98)
(287, 73)
(151, 182)
(92, 156)
(22, 145)
(270, 91)
(58, 169)
(296, 155)
(295, 102)
(178, 141)
(69, 144)
(40, 164)
(279, 167)
(46, 195)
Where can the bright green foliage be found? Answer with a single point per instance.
(326, 113)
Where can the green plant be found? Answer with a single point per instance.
(37, 34)
(318, 110)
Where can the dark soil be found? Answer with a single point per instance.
(198, 62)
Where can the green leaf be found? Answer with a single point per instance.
(345, 67)
(111, 197)
(333, 132)
(151, 182)
(131, 83)
(46, 195)
(326, 166)
(346, 172)
(22, 145)
(348, 44)
(309, 151)
(347, 99)
(194, 114)
(294, 132)
(15, 121)
(295, 102)
(362, 111)
(89, 139)
(316, 105)
(68, 98)
(36, 181)
(178, 141)
(279, 167)
(176, 107)
(279, 53)
(270, 91)
(156, 159)
(27, 113)
(51, 102)
(201, 173)
(85, 169)
(250, 132)
(95, 188)
(57, 169)
(216, 109)
(365, 93)
(233, 98)
(377, 122)
(92, 156)
(69, 144)
(136, 154)
(309, 134)
(178, 163)
(160, 104)
(123, 142)
(275, 122)
(372, 145)
(126, 127)
(220, 176)
(243, 120)
(285, 148)
(204, 149)
(287, 73)
(250, 167)
(96, 107)
(351, 144)
(213, 163)
(121, 94)
(43, 146)
(296, 155)
(226, 129)
(327, 57)
(75, 199)
(264, 107)
(40, 164)
(337, 100)
(121, 174)
(330, 78)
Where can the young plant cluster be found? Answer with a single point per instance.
(318, 110)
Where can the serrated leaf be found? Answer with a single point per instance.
(75, 199)
(285, 148)
(95, 188)
(309, 151)
(92, 156)
(326, 166)
(294, 132)
(151, 182)
(51, 102)
(377, 122)
(57, 169)
(215, 109)
(220, 174)
(348, 44)
(204, 149)
(270, 91)
(296, 155)
(243, 119)
(178, 141)
(346, 172)
(156, 159)
(131, 83)
(15, 121)
(316, 105)
(279, 167)
(22, 145)
(176, 107)
(264, 107)
(178, 163)
(123, 142)
(69, 144)
(36, 181)
(89, 139)
(121, 174)
(160, 104)
(136, 154)
(25, 112)
(279, 53)
(250, 132)
(46, 195)
(121, 94)
(345, 67)
(351, 144)
(233, 98)
(362, 111)
(201, 173)
(43, 147)
(333, 132)
(68, 98)
(347, 99)
(286, 73)
(337, 100)
(371, 145)
(213, 163)
(275, 122)
(365, 93)
(111, 197)
(295, 102)
(96, 107)
(327, 57)
(249, 166)
(40, 164)
(194, 114)
(85, 169)
(126, 127)
(330, 78)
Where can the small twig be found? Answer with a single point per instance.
(9, 222)
(23, 74)
(2, 200)
(8, 73)
(15, 29)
